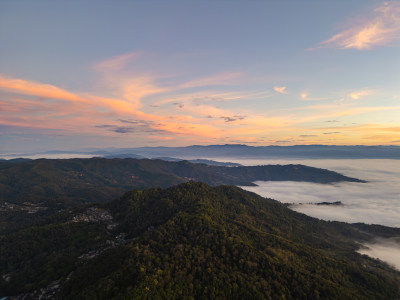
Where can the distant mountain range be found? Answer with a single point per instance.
(242, 151)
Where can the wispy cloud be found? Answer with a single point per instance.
(359, 94)
(36, 89)
(305, 96)
(136, 88)
(381, 27)
(116, 63)
(37, 104)
(225, 78)
(26, 103)
(47, 92)
(135, 126)
(280, 89)
(202, 97)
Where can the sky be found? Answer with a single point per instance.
(78, 74)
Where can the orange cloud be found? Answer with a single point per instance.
(129, 113)
(161, 138)
(123, 84)
(280, 89)
(76, 110)
(305, 96)
(132, 92)
(358, 94)
(380, 28)
(36, 89)
(88, 113)
(191, 129)
(135, 89)
(366, 134)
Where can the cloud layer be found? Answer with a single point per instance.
(375, 202)
(387, 250)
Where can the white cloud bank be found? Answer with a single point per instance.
(387, 250)
(374, 202)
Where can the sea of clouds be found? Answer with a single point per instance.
(387, 250)
(374, 202)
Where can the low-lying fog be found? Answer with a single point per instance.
(371, 203)
(374, 202)
(387, 250)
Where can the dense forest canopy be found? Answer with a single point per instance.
(193, 240)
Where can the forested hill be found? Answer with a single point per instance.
(192, 241)
(55, 182)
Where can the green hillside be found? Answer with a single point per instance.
(193, 241)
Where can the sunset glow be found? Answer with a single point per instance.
(165, 76)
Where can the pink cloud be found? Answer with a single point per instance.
(280, 89)
(380, 28)
(305, 96)
(359, 94)
(36, 89)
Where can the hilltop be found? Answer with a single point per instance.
(194, 241)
